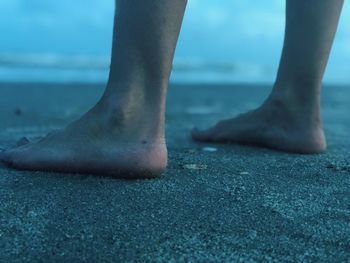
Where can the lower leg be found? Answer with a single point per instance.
(290, 118)
(144, 40)
(123, 134)
(310, 31)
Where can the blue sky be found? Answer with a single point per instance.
(244, 33)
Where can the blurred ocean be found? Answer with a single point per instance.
(221, 41)
(60, 68)
(68, 69)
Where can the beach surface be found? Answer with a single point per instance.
(214, 203)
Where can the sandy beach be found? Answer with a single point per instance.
(214, 203)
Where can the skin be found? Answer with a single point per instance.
(123, 134)
(290, 119)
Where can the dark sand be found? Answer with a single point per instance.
(241, 203)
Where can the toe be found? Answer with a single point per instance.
(18, 158)
(6, 157)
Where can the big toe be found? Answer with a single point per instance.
(15, 157)
(6, 157)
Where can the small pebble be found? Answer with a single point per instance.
(209, 149)
(195, 166)
(252, 234)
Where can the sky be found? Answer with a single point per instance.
(246, 35)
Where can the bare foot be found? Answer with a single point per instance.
(273, 125)
(107, 141)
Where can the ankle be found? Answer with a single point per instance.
(131, 112)
(297, 113)
(300, 93)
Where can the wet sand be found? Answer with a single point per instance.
(214, 203)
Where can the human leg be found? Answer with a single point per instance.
(123, 134)
(289, 119)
